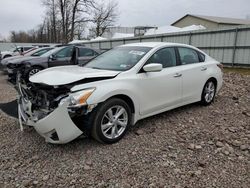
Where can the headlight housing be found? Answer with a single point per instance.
(78, 99)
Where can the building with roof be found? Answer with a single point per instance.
(210, 22)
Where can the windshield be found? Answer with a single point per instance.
(30, 52)
(119, 59)
(40, 51)
(47, 54)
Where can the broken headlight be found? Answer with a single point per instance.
(78, 99)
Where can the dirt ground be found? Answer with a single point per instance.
(192, 146)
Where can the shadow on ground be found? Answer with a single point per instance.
(10, 108)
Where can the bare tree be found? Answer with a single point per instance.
(51, 19)
(73, 12)
(80, 15)
(67, 19)
(104, 16)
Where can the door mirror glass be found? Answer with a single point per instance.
(153, 67)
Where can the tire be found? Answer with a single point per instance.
(33, 70)
(106, 127)
(208, 92)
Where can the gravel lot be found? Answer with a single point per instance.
(192, 146)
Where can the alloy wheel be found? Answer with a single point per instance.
(114, 122)
(33, 71)
(209, 91)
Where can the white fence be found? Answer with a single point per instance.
(229, 46)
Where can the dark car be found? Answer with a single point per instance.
(61, 56)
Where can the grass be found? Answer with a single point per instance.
(243, 71)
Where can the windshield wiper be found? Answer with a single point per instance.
(96, 68)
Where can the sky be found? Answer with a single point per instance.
(27, 14)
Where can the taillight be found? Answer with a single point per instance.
(220, 66)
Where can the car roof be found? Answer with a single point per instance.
(84, 47)
(25, 46)
(155, 44)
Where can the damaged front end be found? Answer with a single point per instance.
(51, 110)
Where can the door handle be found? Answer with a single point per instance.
(177, 75)
(203, 68)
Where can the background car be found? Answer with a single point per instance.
(15, 51)
(116, 89)
(61, 56)
(34, 52)
(12, 63)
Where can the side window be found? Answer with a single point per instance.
(83, 52)
(165, 56)
(65, 52)
(202, 57)
(188, 56)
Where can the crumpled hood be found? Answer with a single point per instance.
(13, 57)
(6, 60)
(36, 60)
(21, 59)
(68, 74)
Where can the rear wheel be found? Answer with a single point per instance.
(112, 121)
(208, 92)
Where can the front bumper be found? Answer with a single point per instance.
(56, 128)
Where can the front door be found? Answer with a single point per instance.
(63, 57)
(159, 91)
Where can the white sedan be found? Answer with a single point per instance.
(116, 89)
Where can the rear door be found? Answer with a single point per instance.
(63, 57)
(159, 91)
(193, 72)
(85, 55)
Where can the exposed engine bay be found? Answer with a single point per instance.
(44, 99)
(58, 112)
(39, 106)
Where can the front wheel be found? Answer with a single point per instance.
(33, 71)
(112, 121)
(208, 92)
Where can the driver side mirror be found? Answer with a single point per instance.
(153, 67)
(52, 57)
